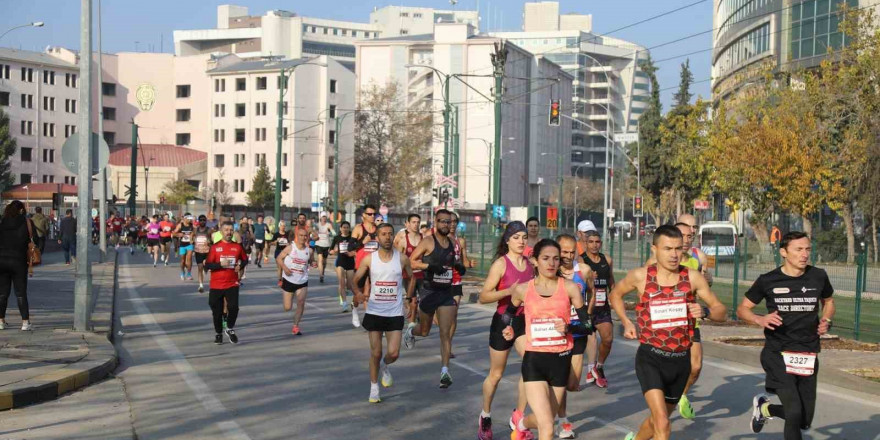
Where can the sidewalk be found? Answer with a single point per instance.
(53, 359)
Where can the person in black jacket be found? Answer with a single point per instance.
(67, 239)
(14, 240)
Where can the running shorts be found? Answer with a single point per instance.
(777, 378)
(431, 300)
(152, 242)
(457, 292)
(553, 368)
(132, 234)
(289, 287)
(580, 346)
(496, 339)
(323, 251)
(278, 250)
(184, 249)
(601, 316)
(346, 263)
(200, 258)
(260, 246)
(663, 370)
(166, 240)
(696, 338)
(376, 323)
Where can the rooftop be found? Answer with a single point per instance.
(156, 155)
(34, 57)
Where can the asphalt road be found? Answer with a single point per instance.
(273, 385)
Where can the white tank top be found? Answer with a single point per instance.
(386, 286)
(298, 263)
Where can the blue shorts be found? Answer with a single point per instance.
(184, 249)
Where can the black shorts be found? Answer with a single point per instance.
(601, 316)
(553, 368)
(165, 240)
(663, 370)
(580, 345)
(289, 287)
(132, 235)
(152, 242)
(431, 300)
(323, 251)
(777, 378)
(200, 258)
(496, 339)
(696, 338)
(346, 263)
(456, 291)
(376, 323)
(260, 246)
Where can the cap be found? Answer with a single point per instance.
(586, 226)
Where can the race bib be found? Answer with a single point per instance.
(229, 260)
(154, 231)
(574, 314)
(299, 266)
(186, 238)
(371, 246)
(259, 241)
(201, 239)
(444, 278)
(601, 297)
(343, 246)
(385, 291)
(282, 241)
(543, 333)
(133, 229)
(799, 363)
(166, 229)
(667, 313)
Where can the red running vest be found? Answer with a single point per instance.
(662, 312)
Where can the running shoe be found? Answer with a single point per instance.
(201, 288)
(346, 306)
(321, 278)
(445, 379)
(154, 264)
(341, 302)
(163, 258)
(758, 418)
(224, 323)
(182, 276)
(166, 263)
(218, 339)
(189, 276)
(232, 336)
(374, 395)
(564, 429)
(2, 325)
(132, 251)
(516, 433)
(485, 428)
(601, 382)
(590, 376)
(387, 380)
(355, 319)
(409, 340)
(27, 326)
(295, 330)
(684, 408)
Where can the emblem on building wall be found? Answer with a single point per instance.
(146, 96)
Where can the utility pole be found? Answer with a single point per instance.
(559, 215)
(499, 58)
(83, 285)
(280, 138)
(455, 150)
(102, 187)
(446, 126)
(134, 154)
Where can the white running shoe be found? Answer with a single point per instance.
(374, 394)
(409, 340)
(2, 325)
(26, 326)
(163, 258)
(355, 319)
(346, 307)
(387, 380)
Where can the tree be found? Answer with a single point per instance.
(655, 174)
(683, 97)
(8, 148)
(262, 193)
(178, 192)
(392, 147)
(222, 194)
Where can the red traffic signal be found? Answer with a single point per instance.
(554, 113)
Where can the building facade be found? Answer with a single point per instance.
(530, 147)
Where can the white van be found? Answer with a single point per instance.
(718, 235)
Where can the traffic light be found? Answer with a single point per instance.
(637, 206)
(554, 112)
(444, 196)
(285, 185)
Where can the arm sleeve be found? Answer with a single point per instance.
(509, 313)
(827, 290)
(755, 293)
(585, 324)
(242, 257)
(212, 262)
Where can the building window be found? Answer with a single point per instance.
(182, 139)
(284, 133)
(404, 32)
(260, 159)
(239, 160)
(220, 85)
(332, 113)
(417, 15)
(25, 179)
(284, 159)
(27, 128)
(260, 109)
(238, 185)
(332, 86)
(240, 84)
(70, 79)
(26, 154)
(108, 89)
(4, 71)
(344, 33)
(49, 77)
(261, 83)
(109, 113)
(219, 110)
(354, 33)
(332, 137)
(48, 179)
(239, 135)
(183, 91)
(314, 29)
(49, 103)
(326, 30)
(69, 130)
(27, 101)
(27, 75)
(4, 99)
(70, 180)
(219, 161)
(48, 155)
(110, 138)
(239, 110)
(49, 129)
(404, 14)
(286, 106)
(70, 105)
(183, 115)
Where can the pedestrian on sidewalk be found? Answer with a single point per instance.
(14, 239)
(41, 228)
(67, 239)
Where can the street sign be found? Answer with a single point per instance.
(609, 213)
(552, 218)
(71, 199)
(625, 138)
(498, 211)
(701, 204)
(477, 219)
(448, 181)
(100, 154)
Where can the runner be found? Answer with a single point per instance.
(142, 232)
(437, 257)
(582, 228)
(406, 241)
(666, 311)
(270, 237)
(424, 230)
(114, 228)
(184, 232)
(282, 240)
(365, 234)
(295, 260)
(600, 311)
(387, 267)
(201, 247)
(509, 269)
(259, 240)
(792, 329)
(343, 246)
(547, 301)
(574, 269)
(533, 226)
(225, 260)
(165, 237)
(322, 245)
(246, 238)
(154, 229)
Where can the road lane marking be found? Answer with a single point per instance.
(201, 390)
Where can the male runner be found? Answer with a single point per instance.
(295, 261)
(184, 232)
(365, 234)
(582, 228)
(603, 267)
(532, 229)
(225, 260)
(322, 244)
(131, 233)
(405, 242)
(666, 311)
(387, 267)
(437, 257)
(792, 329)
(166, 230)
(259, 240)
(114, 226)
(201, 247)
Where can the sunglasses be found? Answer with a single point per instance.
(370, 213)
(445, 222)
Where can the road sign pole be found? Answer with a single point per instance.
(102, 186)
(134, 153)
(82, 285)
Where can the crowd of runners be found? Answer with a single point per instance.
(553, 296)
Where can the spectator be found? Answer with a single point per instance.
(67, 239)
(14, 241)
(41, 228)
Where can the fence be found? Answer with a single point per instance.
(856, 284)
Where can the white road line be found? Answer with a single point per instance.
(201, 390)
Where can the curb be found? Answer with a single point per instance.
(98, 364)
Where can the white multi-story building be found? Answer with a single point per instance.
(244, 117)
(288, 35)
(530, 147)
(610, 90)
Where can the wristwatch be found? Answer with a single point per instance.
(706, 312)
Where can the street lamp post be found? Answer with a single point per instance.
(32, 24)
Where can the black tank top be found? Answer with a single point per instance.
(602, 280)
(444, 257)
(186, 233)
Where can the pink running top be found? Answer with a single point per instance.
(511, 276)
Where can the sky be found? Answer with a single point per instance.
(130, 25)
